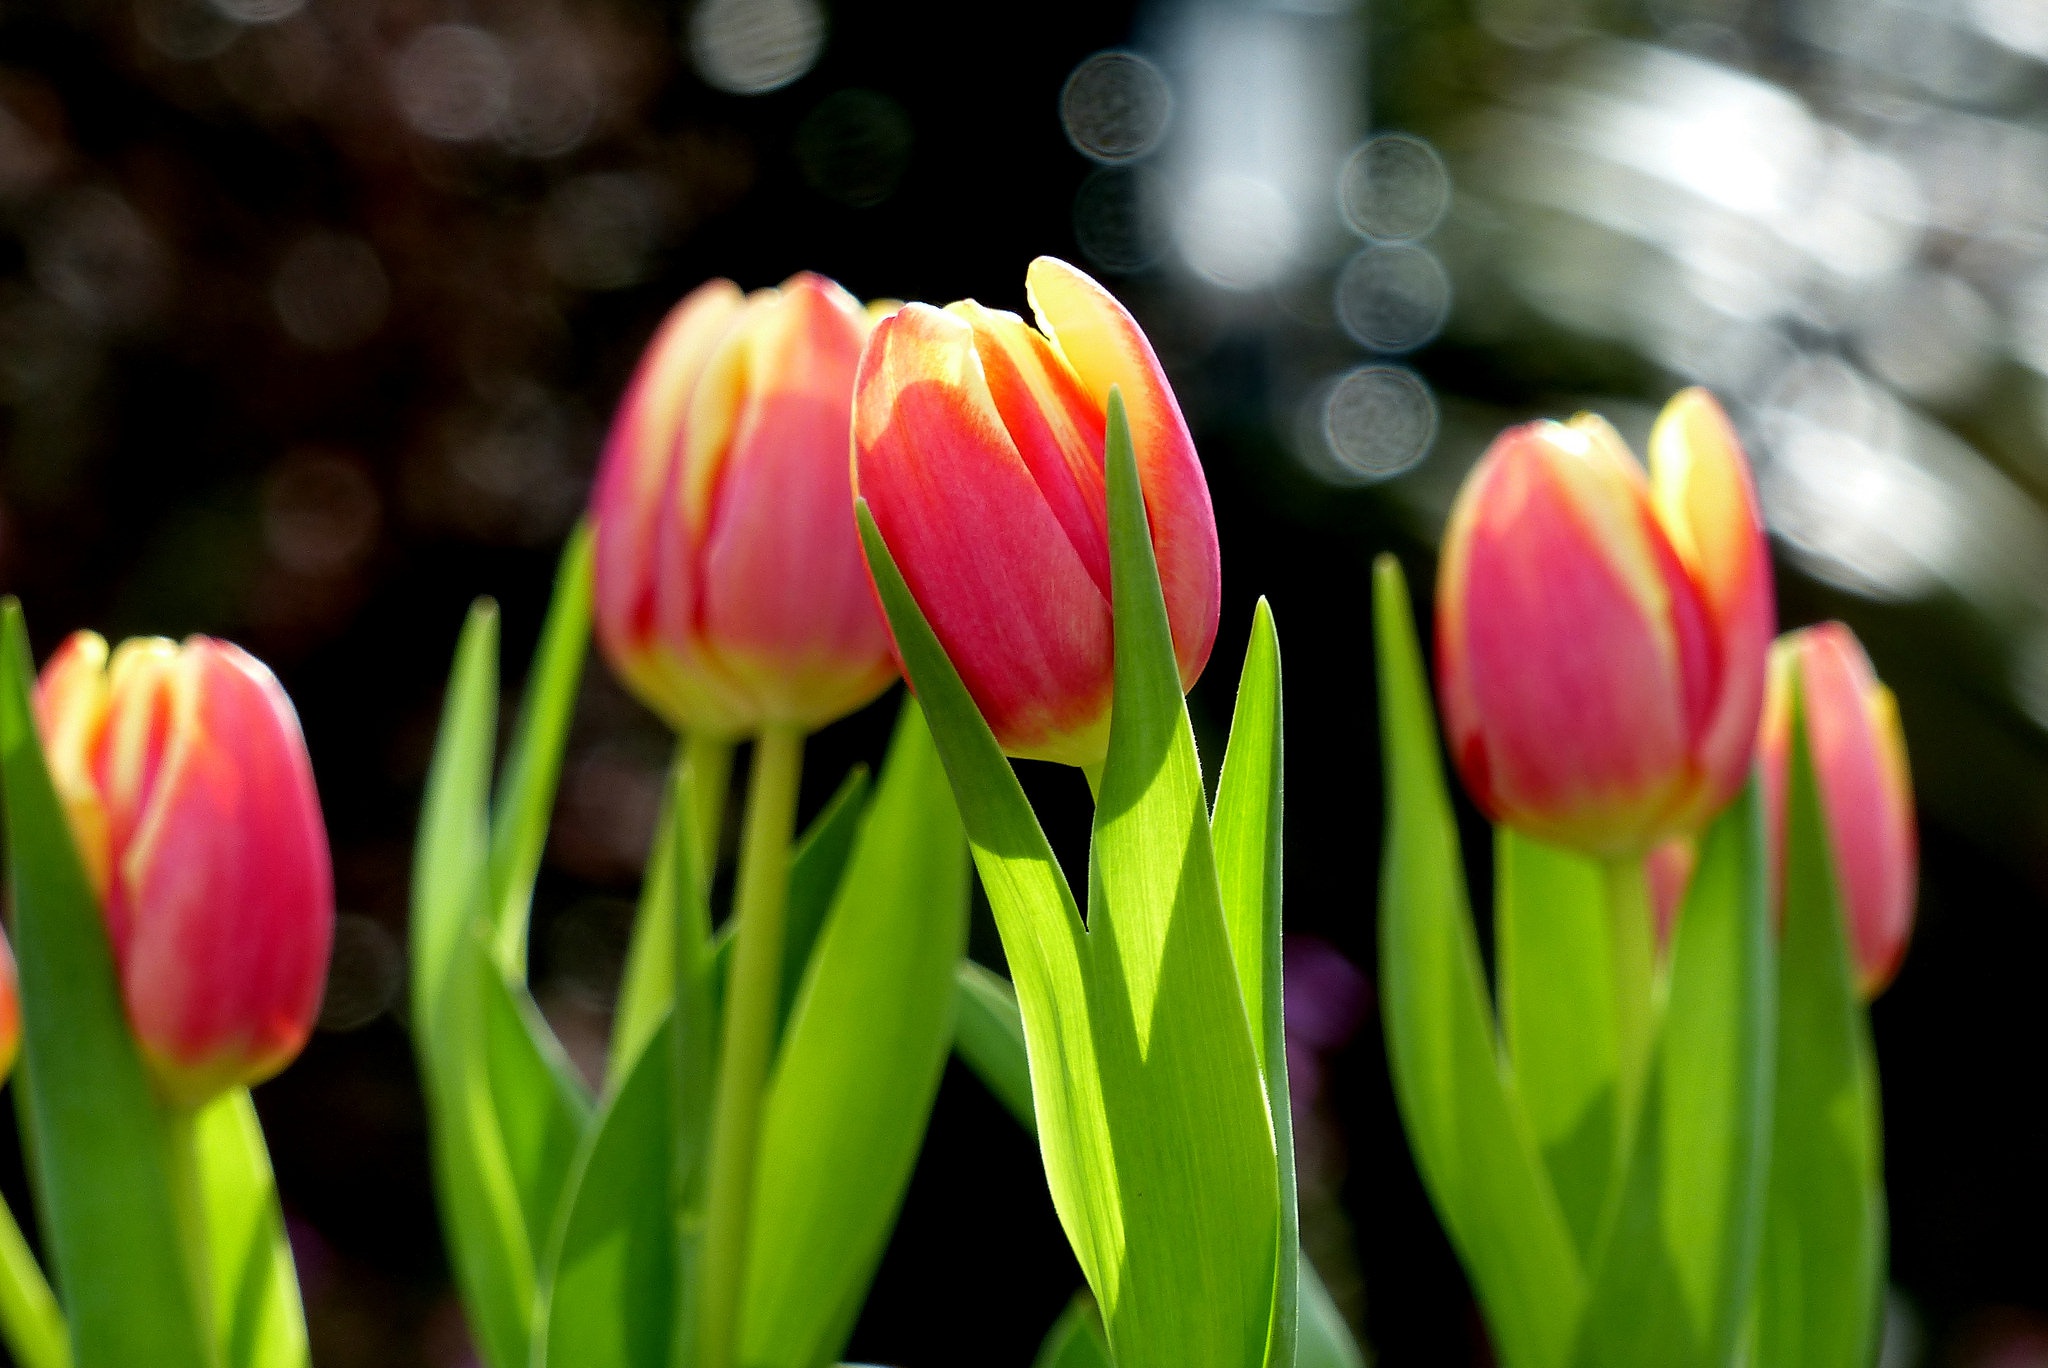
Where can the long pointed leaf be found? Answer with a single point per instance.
(1246, 825)
(1475, 1150)
(1557, 1009)
(1039, 923)
(1674, 1284)
(1822, 1284)
(256, 1307)
(990, 1037)
(1075, 1340)
(89, 1117)
(526, 796)
(451, 862)
(859, 1065)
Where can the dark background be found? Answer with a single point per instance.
(312, 314)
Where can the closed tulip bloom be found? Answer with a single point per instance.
(730, 588)
(1601, 636)
(10, 1010)
(1865, 789)
(978, 444)
(191, 798)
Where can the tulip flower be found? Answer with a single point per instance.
(190, 796)
(10, 1010)
(978, 445)
(1601, 636)
(1866, 792)
(730, 591)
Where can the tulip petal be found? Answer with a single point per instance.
(1707, 505)
(637, 504)
(72, 702)
(1008, 596)
(786, 611)
(229, 878)
(1102, 342)
(1859, 761)
(1057, 426)
(1565, 631)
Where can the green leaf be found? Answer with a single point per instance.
(526, 794)
(256, 1308)
(1821, 1289)
(988, 1033)
(1246, 826)
(1554, 957)
(1151, 1108)
(1674, 1284)
(505, 1104)
(1076, 1339)
(817, 868)
(647, 990)
(31, 1322)
(1193, 1141)
(101, 1171)
(612, 1289)
(1477, 1153)
(619, 1280)
(1040, 926)
(1326, 1341)
(451, 860)
(859, 1066)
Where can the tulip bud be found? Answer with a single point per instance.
(1865, 790)
(1601, 637)
(10, 1011)
(730, 591)
(191, 798)
(978, 444)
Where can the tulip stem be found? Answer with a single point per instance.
(707, 764)
(31, 1322)
(188, 1198)
(1635, 1007)
(760, 906)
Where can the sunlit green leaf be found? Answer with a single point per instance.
(612, 1292)
(989, 1035)
(1555, 962)
(859, 1065)
(257, 1314)
(1478, 1156)
(526, 794)
(1821, 1287)
(1151, 1109)
(31, 1322)
(1076, 1339)
(1675, 1281)
(100, 1168)
(1246, 825)
(988, 1032)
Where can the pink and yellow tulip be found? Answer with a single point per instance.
(10, 1010)
(1866, 792)
(729, 582)
(1601, 636)
(978, 444)
(191, 799)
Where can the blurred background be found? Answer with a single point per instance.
(312, 313)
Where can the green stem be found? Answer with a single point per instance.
(188, 1197)
(1635, 1006)
(708, 770)
(760, 909)
(30, 1320)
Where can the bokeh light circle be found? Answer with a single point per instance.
(1393, 297)
(1116, 106)
(1394, 187)
(1378, 421)
(750, 47)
